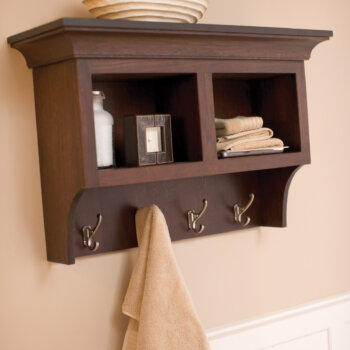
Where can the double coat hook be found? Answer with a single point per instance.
(193, 217)
(239, 211)
(88, 234)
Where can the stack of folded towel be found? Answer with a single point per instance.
(244, 134)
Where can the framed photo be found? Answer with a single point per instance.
(148, 139)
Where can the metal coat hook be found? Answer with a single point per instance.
(88, 234)
(193, 217)
(239, 211)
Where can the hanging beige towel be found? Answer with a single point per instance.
(256, 145)
(237, 124)
(161, 312)
(226, 142)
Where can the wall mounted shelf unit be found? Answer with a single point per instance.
(193, 72)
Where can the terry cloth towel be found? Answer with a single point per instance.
(161, 312)
(253, 145)
(238, 124)
(226, 142)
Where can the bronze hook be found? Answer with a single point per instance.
(193, 217)
(88, 234)
(239, 211)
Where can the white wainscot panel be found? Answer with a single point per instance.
(318, 341)
(322, 325)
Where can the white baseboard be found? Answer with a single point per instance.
(322, 325)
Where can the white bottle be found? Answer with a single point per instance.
(103, 131)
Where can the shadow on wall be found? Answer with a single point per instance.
(18, 114)
(22, 173)
(118, 320)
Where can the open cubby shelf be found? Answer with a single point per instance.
(193, 72)
(273, 97)
(142, 94)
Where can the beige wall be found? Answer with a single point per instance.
(230, 276)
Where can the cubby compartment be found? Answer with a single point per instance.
(144, 94)
(270, 96)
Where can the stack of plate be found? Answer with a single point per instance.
(185, 11)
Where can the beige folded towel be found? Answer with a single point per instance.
(237, 124)
(161, 312)
(270, 143)
(226, 142)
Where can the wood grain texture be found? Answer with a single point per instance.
(90, 38)
(60, 152)
(222, 192)
(193, 72)
(147, 27)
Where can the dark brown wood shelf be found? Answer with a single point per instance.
(128, 176)
(193, 72)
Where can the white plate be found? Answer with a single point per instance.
(99, 12)
(141, 15)
(199, 5)
(185, 3)
(153, 19)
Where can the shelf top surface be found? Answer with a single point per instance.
(89, 24)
